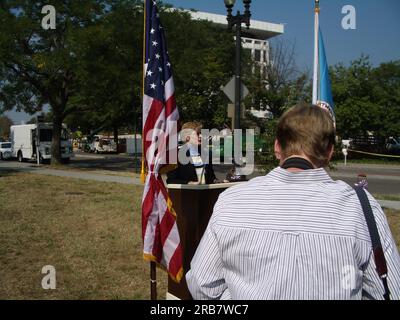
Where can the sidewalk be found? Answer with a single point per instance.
(32, 168)
(395, 205)
(367, 165)
(90, 176)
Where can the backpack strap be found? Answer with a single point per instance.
(377, 249)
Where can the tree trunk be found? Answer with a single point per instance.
(56, 141)
(116, 137)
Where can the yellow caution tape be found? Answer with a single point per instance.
(374, 154)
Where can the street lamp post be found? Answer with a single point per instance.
(237, 21)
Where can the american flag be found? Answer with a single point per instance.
(161, 242)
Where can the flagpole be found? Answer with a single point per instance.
(142, 171)
(153, 281)
(153, 266)
(315, 76)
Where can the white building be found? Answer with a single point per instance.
(255, 38)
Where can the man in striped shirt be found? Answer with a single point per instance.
(294, 233)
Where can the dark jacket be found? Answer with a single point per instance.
(187, 172)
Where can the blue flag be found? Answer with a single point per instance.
(324, 84)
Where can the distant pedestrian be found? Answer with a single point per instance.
(362, 181)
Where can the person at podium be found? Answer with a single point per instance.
(194, 170)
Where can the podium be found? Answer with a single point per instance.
(193, 205)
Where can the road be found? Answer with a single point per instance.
(382, 179)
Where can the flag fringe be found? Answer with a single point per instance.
(176, 278)
(170, 207)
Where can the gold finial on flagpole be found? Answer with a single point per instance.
(317, 6)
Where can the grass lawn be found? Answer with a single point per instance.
(389, 197)
(89, 231)
(394, 223)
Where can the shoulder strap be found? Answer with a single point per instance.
(377, 249)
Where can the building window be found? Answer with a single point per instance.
(257, 55)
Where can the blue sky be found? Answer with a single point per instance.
(377, 31)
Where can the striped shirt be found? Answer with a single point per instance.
(291, 235)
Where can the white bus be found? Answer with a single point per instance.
(23, 142)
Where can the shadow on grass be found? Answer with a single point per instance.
(4, 172)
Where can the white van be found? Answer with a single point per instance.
(5, 150)
(23, 142)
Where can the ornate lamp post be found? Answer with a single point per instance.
(237, 21)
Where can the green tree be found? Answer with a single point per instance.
(5, 124)
(39, 67)
(387, 96)
(279, 84)
(202, 56)
(111, 84)
(366, 99)
(273, 87)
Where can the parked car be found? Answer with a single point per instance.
(393, 145)
(103, 145)
(5, 150)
